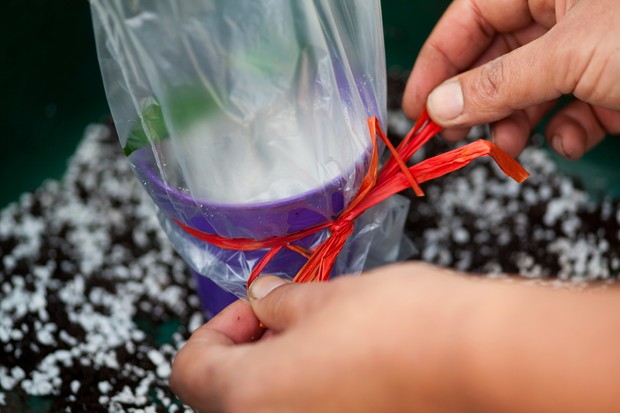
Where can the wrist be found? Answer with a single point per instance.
(440, 359)
(464, 323)
(530, 347)
(466, 364)
(482, 353)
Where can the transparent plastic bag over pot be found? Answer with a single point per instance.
(245, 119)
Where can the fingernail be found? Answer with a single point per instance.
(263, 285)
(556, 144)
(446, 101)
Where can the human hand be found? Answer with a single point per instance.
(408, 337)
(517, 58)
(357, 344)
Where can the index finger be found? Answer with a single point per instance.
(199, 370)
(462, 34)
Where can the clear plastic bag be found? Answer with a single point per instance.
(247, 119)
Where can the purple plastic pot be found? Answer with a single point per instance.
(212, 298)
(257, 221)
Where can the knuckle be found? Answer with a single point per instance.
(179, 374)
(189, 376)
(489, 86)
(597, 82)
(614, 127)
(609, 119)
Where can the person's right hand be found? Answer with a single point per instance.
(408, 337)
(515, 58)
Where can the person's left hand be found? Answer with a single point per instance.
(508, 61)
(385, 342)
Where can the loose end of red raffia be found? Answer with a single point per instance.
(377, 185)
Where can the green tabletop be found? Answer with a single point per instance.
(51, 89)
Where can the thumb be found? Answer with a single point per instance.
(280, 303)
(522, 78)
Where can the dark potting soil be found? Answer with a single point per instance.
(94, 303)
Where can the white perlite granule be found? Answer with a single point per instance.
(80, 258)
(479, 220)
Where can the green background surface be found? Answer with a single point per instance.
(51, 85)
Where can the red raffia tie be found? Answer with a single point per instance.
(377, 185)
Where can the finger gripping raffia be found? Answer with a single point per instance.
(377, 185)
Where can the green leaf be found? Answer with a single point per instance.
(153, 120)
(185, 106)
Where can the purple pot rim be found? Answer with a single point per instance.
(186, 198)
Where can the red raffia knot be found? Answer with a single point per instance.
(377, 185)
